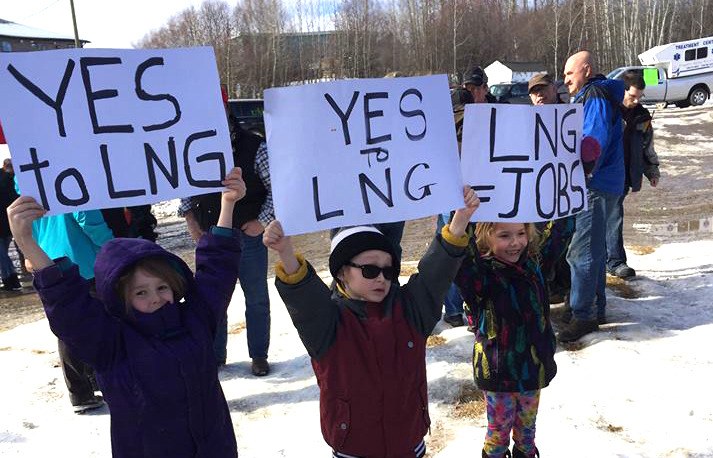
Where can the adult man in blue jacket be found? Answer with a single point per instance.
(603, 159)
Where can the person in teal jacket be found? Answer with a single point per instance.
(77, 236)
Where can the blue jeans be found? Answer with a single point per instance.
(587, 257)
(616, 255)
(453, 302)
(6, 266)
(253, 281)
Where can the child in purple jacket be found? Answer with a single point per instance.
(149, 332)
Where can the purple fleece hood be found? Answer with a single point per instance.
(116, 256)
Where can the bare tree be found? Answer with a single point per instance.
(263, 43)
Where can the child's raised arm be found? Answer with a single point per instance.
(235, 190)
(275, 239)
(21, 213)
(461, 218)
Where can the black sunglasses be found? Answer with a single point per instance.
(370, 271)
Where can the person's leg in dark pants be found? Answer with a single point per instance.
(587, 260)
(453, 302)
(10, 282)
(253, 281)
(76, 376)
(21, 258)
(616, 255)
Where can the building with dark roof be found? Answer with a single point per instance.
(17, 37)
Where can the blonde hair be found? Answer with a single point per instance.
(484, 230)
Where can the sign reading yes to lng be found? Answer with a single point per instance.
(102, 128)
(361, 151)
(524, 161)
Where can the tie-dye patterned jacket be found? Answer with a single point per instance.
(508, 306)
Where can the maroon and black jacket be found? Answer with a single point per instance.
(369, 358)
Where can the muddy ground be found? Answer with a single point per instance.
(680, 209)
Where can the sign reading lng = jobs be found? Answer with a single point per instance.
(361, 151)
(524, 161)
(102, 128)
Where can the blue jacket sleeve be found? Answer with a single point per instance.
(217, 262)
(93, 224)
(596, 131)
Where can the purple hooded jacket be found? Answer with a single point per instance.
(157, 371)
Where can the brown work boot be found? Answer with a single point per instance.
(260, 367)
(577, 329)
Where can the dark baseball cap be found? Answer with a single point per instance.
(541, 79)
(476, 77)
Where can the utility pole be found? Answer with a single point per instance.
(77, 44)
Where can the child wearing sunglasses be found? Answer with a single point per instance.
(367, 335)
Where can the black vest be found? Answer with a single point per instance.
(206, 207)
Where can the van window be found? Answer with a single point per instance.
(690, 54)
(702, 53)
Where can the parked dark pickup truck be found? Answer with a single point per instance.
(248, 112)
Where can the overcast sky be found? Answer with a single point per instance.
(107, 24)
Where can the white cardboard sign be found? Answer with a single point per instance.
(361, 151)
(524, 161)
(102, 128)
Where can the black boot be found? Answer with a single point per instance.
(516, 453)
(11, 283)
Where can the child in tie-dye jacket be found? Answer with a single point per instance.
(513, 356)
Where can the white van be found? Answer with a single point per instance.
(680, 73)
(683, 58)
